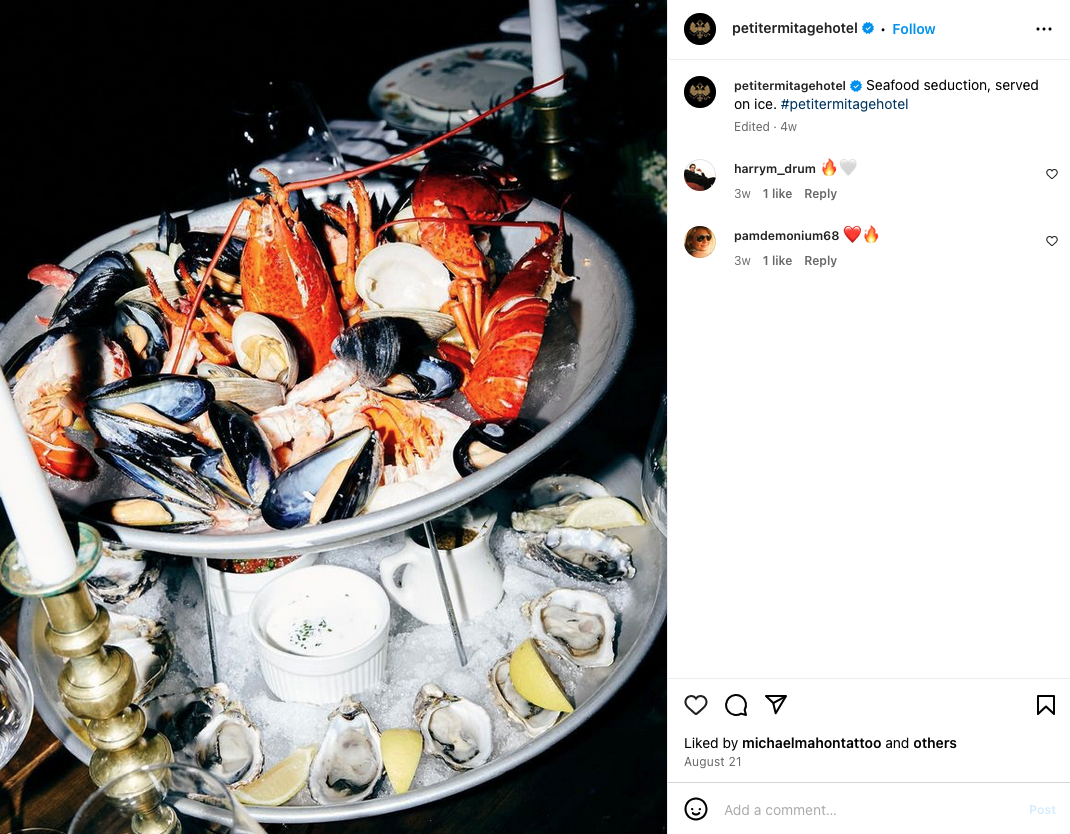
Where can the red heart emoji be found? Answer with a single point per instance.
(852, 232)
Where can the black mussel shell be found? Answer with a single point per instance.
(162, 477)
(245, 447)
(90, 300)
(445, 377)
(360, 481)
(129, 434)
(384, 353)
(371, 348)
(169, 229)
(150, 513)
(485, 442)
(215, 470)
(142, 331)
(289, 500)
(200, 247)
(177, 396)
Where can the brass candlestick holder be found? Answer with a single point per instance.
(97, 682)
(548, 120)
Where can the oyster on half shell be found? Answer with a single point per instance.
(582, 553)
(122, 574)
(456, 730)
(578, 625)
(349, 762)
(533, 720)
(208, 728)
(149, 645)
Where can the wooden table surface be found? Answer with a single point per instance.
(594, 780)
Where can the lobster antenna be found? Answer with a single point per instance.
(344, 175)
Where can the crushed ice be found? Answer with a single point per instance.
(417, 653)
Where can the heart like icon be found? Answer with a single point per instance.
(1052, 173)
(852, 232)
(848, 165)
(1052, 240)
(695, 703)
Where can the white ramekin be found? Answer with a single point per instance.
(233, 593)
(325, 679)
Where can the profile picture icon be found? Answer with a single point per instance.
(700, 241)
(700, 91)
(700, 29)
(699, 175)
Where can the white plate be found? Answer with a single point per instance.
(440, 91)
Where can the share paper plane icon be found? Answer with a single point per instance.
(777, 701)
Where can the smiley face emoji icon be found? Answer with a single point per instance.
(695, 808)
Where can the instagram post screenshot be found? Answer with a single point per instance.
(334, 423)
(868, 376)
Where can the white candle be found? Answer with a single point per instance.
(42, 538)
(546, 60)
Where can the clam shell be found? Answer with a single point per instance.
(402, 276)
(264, 350)
(435, 325)
(171, 289)
(233, 385)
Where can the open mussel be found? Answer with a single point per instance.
(150, 513)
(334, 483)
(199, 247)
(30, 351)
(161, 476)
(142, 331)
(384, 353)
(485, 442)
(175, 396)
(91, 298)
(160, 437)
(243, 469)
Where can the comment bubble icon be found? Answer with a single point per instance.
(736, 705)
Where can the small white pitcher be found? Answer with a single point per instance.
(473, 575)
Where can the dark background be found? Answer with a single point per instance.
(95, 144)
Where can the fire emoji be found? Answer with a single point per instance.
(871, 235)
(829, 169)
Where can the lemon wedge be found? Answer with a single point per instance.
(603, 514)
(280, 783)
(535, 681)
(401, 756)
